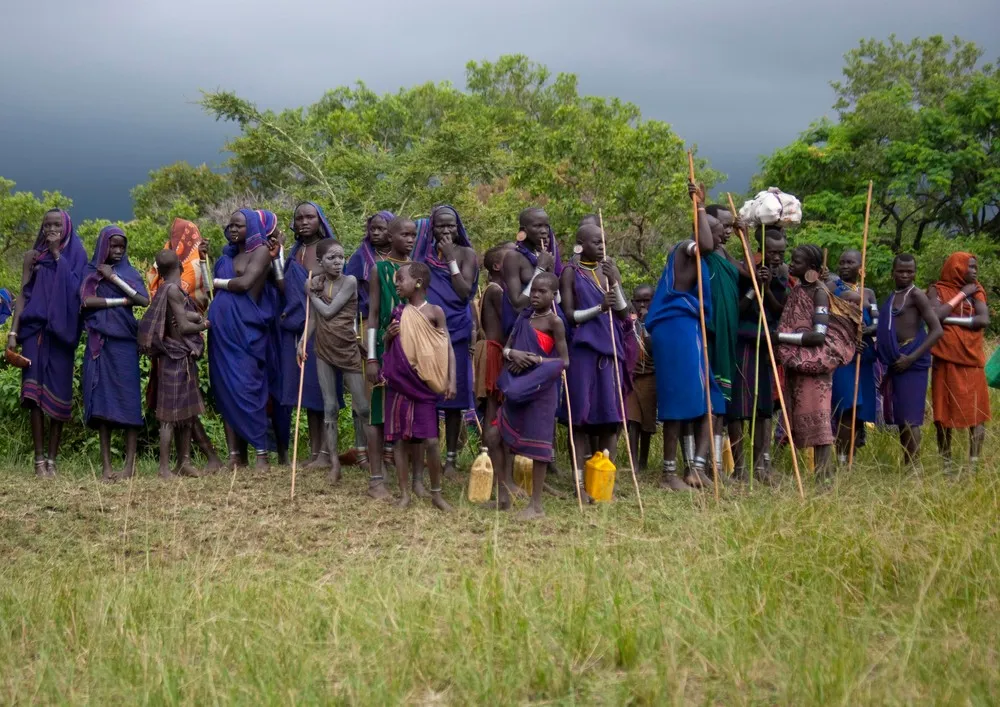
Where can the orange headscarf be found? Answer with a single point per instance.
(184, 240)
(958, 344)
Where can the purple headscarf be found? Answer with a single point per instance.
(269, 220)
(68, 237)
(256, 236)
(425, 249)
(123, 268)
(326, 230)
(363, 259)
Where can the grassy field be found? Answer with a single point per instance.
(881, 590)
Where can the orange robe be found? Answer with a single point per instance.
(959, 392)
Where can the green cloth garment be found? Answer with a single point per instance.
(388, 299)
(724, 282)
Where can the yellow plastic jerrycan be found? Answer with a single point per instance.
(481, 478)
(599, 476)
(523, 472)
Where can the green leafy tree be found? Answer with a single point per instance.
(21, 215)
(516, 136)
(920, 119)
(181, 190)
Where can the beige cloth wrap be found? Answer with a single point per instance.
(426, 348)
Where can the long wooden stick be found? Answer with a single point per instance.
(572, 445)
(618, 379)
(302, 377)
(861, 326)
(704, 333)
(774, 361)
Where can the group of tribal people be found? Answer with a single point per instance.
(404, 327)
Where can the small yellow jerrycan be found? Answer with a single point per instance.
(523, 472)
(481, 478)
(599, 476)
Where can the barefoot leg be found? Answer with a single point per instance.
(452, 428)
(401, 453)
(131, 443)
(104, 435)
(434, 466)
(166, 438)
(55, 435)
(534, 509)
(37, 429)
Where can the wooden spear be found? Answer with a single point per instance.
(770, 351)
(302, 376)
(861, 325)
(618, 378)
(704, 333)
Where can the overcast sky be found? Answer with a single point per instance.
(96, 93)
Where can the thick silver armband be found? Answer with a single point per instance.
(874, 310)
(585, 315)
(279, 271)
(958, 321)
(690, 248)
(123, 286)
(822, 310)
(506, 353)
(116, 301)
(220, 283)
(372, 356)
(795, 339)
(751, 295)
(453, 267)
(620, 301)
(820, 328)
(280, 260)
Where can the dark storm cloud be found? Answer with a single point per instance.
(95, 94)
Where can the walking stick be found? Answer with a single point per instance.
(618, 379)
(774, 361)
(704, 333)
(302, 377)
(861, 326)
(572, 444)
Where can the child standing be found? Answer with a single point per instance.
(419, 366)
(334, 299)
(530, 386)
(640, 406)
(171, 330)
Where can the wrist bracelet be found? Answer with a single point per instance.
(506, 354)
(750, 295)
(795, 339)
(221, 283)
(820, 328)
(279, 272)
(453, 267)
(958, 321)
(585, 315)
(371, 344)
(620, 302)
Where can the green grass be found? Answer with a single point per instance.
(881, 590)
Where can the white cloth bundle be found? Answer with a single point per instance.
(772, 207)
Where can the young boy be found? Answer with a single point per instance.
(334, 299)
(489, 366)
(171, 330)
(640, 406)
(418, 366)
(903, 344)
(112, 394)
(530, 386)
(382, 299)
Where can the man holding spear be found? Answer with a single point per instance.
(673, 322)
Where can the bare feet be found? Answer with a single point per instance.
(378, 491)
(319, 461)
(404, 501)
(516, 491)
(531, 513)
(419, 490)
(109, 477)
(50, 468)
(496, 505)
(127, 472)
(40, 465)
(189, 470)
(693, 480)
(213, 465)
(261, 463)
(673, 482)
(438, 502)
(450, 472)
(362, 461)
(167, 474)
(333, 476)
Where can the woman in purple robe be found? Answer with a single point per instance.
(241, 317)
(47, 326)
(444, 246)
(112, 394)
(590, 290)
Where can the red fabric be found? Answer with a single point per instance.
(961, 397)
(545, 341)
(958, 344)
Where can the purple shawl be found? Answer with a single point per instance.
(440, 290)
(887, 346)
(56, 310)
(293, 316)
(114, 322)
(362, 261)
(531, 397)
(256, 236)
(399, 374)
